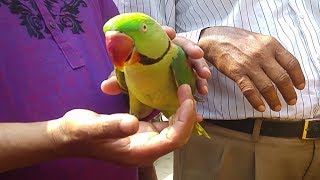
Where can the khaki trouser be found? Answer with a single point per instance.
(230, 155)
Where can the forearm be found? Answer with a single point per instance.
(24, 144)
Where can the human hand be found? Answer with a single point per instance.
(254, 61)
(195, 58)
(121, 138)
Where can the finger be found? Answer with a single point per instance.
(184, 120)
(174, 136)
(161, 125)
(169, 139)
(291, 65)
(250, 92)
(111, 86)
(282, 80)
(113, 73)
(201, 67)
(266, 88)
(146, 127)
(170, 31)
(191, 49)
(110, 126)
(202, 85)
(199, 118)
(185, 116)
(184, 93)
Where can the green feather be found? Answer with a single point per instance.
(121, 80)
(181, 70)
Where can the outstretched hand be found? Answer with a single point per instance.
(121, 138)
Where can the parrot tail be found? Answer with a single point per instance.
(200, 131)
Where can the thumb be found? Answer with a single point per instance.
(112, 126)
(111, 86)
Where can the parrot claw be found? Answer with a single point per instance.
(157, 118)
(198, 99)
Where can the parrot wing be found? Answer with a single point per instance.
(183, 74)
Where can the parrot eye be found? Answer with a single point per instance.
(143, 28)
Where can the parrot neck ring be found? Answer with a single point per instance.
(145, 60)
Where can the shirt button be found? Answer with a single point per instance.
(52, 25)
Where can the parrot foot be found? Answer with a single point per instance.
(198, 99)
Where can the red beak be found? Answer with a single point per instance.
(119, 47)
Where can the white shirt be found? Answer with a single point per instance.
(295, 23)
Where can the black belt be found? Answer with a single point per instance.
(305, 129)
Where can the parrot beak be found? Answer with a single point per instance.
(120, 48)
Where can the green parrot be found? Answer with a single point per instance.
(148, 65)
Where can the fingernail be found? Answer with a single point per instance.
(207, 69)
(185, 112)
(292, 101)
(261, 108)
(196, 46)
(208, 72)
(187, 86)
(205, 88)
(193, 103)
(126, 125)
(277, 108)
(301, 86)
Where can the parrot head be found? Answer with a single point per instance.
(130, 36)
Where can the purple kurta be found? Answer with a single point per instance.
(52, 60)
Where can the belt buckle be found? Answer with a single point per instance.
(311, 129)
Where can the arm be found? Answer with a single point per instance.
(23, 144)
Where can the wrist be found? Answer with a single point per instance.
(59, 140)
(69, 134)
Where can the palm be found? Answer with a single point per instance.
(140, 148)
